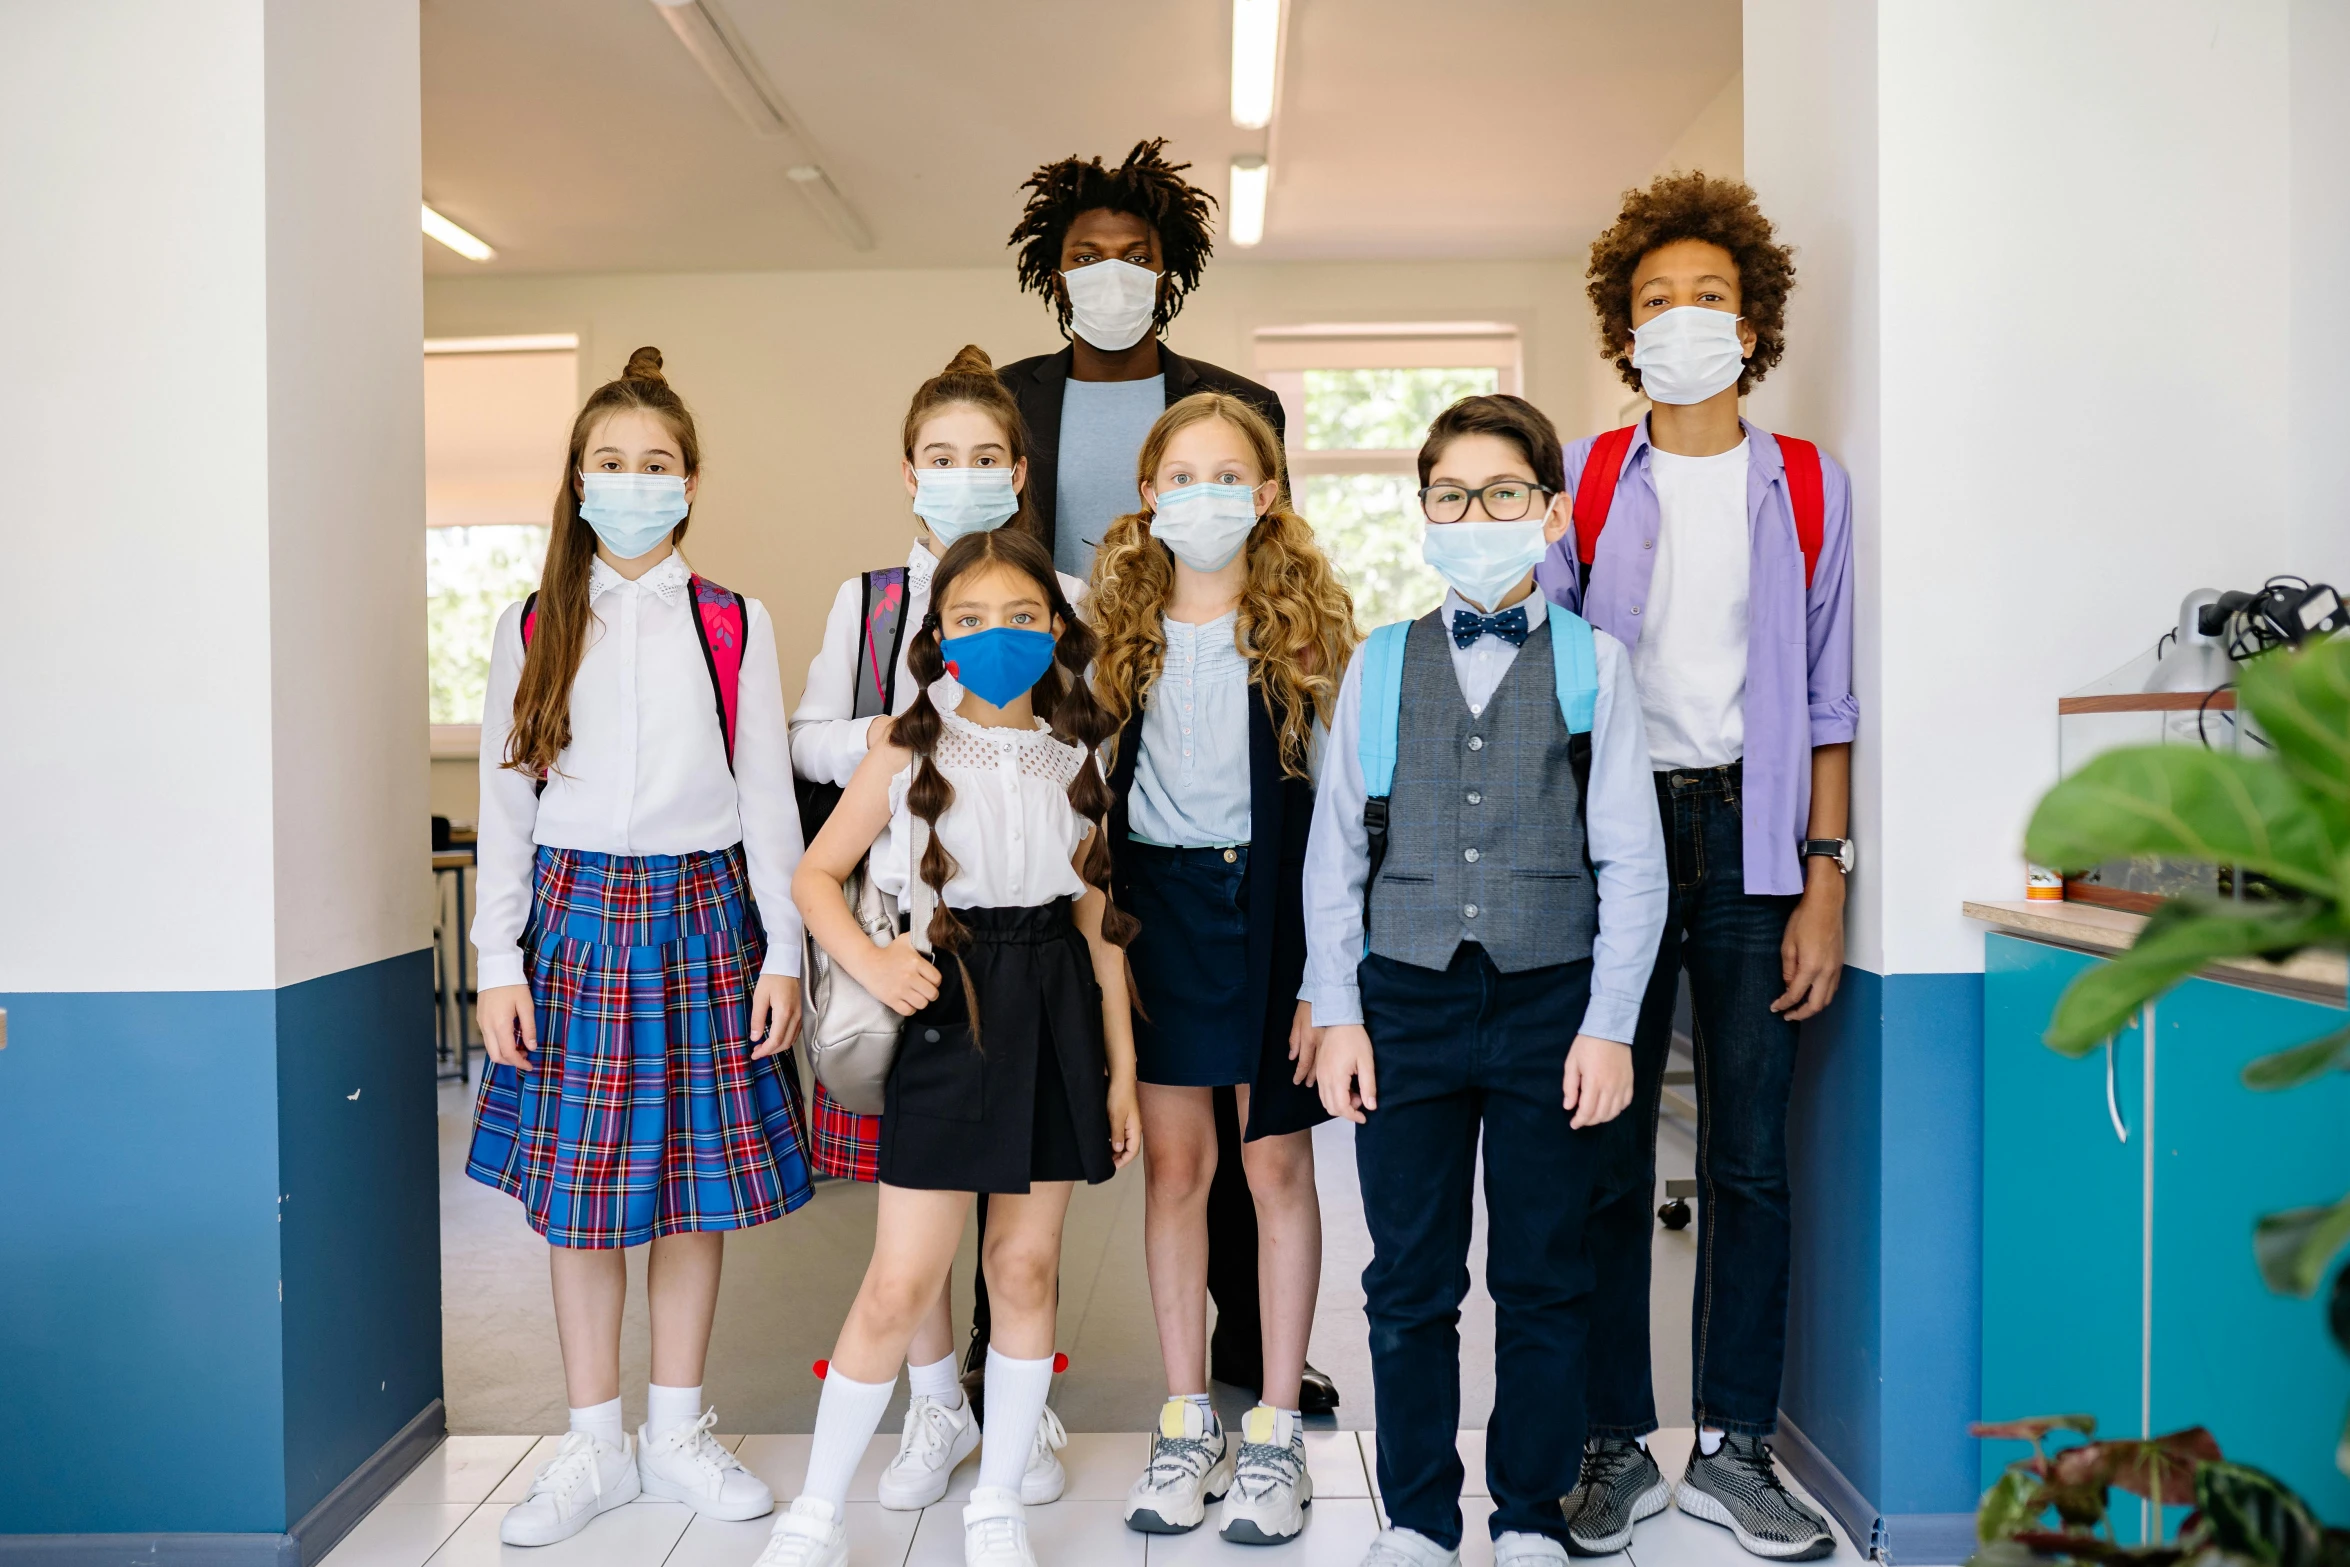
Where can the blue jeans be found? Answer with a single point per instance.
(1729, 942)
(1465, 1051)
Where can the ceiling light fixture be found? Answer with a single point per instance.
(449, 234)
(1244, 216)
(710, 37)
(1256, 60)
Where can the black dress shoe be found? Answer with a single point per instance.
(1316, 1393)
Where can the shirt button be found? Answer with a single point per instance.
(1635, 609)
(1477, 710)
(1469, 911)
(1476, 742)
(1475, 798)
(1648, 544)
(1470, 855)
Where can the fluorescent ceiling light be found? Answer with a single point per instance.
(1256, 58)
(826, 198)
(522, 343)
(1244, 216)
(455, 238)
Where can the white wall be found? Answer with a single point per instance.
(2077, 421)
(2316, 325)
(206, 638)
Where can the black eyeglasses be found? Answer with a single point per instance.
(1505, 500)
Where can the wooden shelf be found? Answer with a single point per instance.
(2310, 976)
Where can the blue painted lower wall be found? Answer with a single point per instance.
(1884, 1330)
(222, 1270)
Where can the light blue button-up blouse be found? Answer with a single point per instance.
(1191, 781)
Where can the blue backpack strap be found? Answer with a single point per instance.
(1574, 664)
(1380, 714)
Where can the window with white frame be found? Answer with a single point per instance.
(1358, 400)
(497, 417)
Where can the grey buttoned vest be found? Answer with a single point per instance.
(1485, 822)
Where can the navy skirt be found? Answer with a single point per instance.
(1191, 966)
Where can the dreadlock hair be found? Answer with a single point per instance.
(1063, 699)
(542, 697)
(1146, 186)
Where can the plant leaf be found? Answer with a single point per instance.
(2291, 1068)
(2163, 1469)
(2186, 803)
(2302, 699)
(2012, 1505)
(2033, 1429)
(2178, 940)
(2256, 1515)
(2294, 1246)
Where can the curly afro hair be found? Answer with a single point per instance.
(1693, 206)
(1147, 186)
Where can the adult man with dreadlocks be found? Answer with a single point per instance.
(1114, 251)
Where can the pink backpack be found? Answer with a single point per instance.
(720, 619)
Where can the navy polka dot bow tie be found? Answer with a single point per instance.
(1509, 625)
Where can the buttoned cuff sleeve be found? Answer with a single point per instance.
(1835, 723)
(493, 969)
(1333, 1004)
(1611, 1017)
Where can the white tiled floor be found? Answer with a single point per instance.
(446, 1513)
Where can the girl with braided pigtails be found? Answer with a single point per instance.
(1016, 1073)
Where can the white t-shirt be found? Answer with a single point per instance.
(1690, 661)
(1010, 830)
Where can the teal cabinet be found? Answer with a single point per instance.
(2119, 1194)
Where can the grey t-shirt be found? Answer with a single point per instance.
(1102, 427)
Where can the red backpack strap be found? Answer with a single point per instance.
(1595, 492)
(722, 618)
(530, 618)
(1806, 498)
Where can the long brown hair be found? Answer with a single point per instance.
(970, 378)
(1297, 621)
(542, 699)
(1062, 699)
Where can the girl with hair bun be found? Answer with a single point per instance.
(1224, 631)
(638, 837)
(965, 468)
(1016, 1072)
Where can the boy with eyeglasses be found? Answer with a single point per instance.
(1721, 555)
(1484, 887)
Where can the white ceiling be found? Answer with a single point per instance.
(578, 135)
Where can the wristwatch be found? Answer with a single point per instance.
(1839, 850)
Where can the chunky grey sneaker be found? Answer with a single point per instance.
(1740, 1489)
(1271, 1489)
(1190, 1466)
(1620, 1486)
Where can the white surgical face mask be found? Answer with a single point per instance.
(1110, 302)
(1206, 525)
(1484, 560)
(633, 513)
(956, 501)
(1687, 354)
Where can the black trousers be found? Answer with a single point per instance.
(1232, 1262)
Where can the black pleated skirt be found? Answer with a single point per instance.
(1027, 1099)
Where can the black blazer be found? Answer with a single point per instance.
(1281, 813)
(1037, 385)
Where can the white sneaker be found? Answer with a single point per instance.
(1519, 1548)
(689, 1465)
(808, 1534)
(1408, 1548)
(936, 1439)
(1046, 1479)
(1270, 1487)
(584, 1479)
(1189, 1468)
(995, 1530)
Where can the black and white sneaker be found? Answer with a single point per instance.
(1739, 1488)
(1619, 1487)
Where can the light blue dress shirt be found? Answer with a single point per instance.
(1191, 780)
(1627, 840)
(1102, 428)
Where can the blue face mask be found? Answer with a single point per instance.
(1000, 665)
(1484, 560)
(956, 501)
(633, 513)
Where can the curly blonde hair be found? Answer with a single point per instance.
(1297, 622)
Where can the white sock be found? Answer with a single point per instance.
(667, 1408)
(1207, 1405)
(1016, 1391)
(1640, 1442)
(936, 1381)
(1709, 1442)
(847, 1414)
(601, 1421)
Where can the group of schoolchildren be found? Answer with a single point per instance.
(1181, 864)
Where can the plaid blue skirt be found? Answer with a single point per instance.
(642, 1113)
